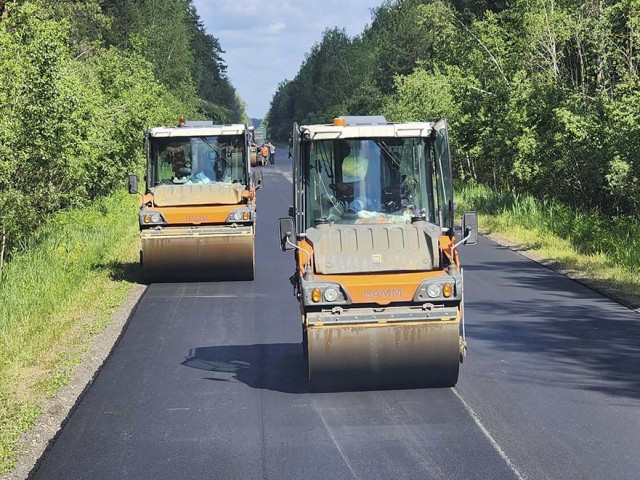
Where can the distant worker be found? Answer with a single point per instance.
(264, 153)
(272, 153)
(291, 147)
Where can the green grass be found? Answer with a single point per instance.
(54, 298)
(601, 250)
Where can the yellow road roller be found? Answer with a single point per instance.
(377, 270)
(198, 209)
(253, 148)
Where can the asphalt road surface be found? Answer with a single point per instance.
(208, 382)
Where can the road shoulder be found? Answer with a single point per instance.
(56, 410)
(627, 299)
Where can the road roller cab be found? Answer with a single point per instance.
(378, 275)
(198, 209)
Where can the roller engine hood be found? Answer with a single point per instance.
(375, 248)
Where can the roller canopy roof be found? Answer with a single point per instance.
(380, 130)
(197, 131)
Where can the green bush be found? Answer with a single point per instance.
(70, 128)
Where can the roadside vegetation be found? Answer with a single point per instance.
(80, 82)
(603, 252)
(542, 102)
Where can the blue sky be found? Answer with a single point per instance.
(266, 40)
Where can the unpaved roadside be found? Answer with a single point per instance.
(55, 411)
(627, 299)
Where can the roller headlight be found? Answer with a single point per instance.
(434, 290)
(151, 218)
(330, 294)
(243, 215)
(321, 293)
(443, 287)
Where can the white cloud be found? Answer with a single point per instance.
(275, 28)
(266, 40)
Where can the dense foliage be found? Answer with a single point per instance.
(542, 95)
(80, 81)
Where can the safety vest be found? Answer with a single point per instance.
(265, 151)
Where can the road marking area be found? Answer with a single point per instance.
(333, 438)
(486, 433)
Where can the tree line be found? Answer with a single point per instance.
(541, 95)
(80, 81)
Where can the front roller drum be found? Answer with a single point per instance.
(199, 256)
(383, 355)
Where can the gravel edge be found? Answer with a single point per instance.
(628, 300)
(55, 411)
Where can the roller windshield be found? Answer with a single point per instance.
(381, 180)
(197, 160)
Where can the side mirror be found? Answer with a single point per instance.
(256, 179)
(470, 228)
(133, 184)
(286, 231)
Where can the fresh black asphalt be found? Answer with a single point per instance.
(208, 382)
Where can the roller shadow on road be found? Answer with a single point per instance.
(278, 366)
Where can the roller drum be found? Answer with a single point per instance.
(383, 355)
(205, 254)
